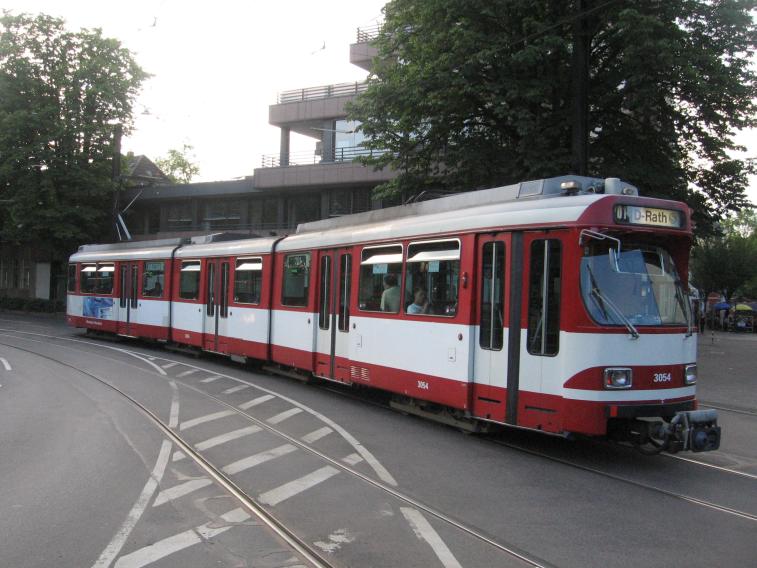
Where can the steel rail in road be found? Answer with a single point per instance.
(291, 539)
(474, 532)
(720, 406)
(522, 555)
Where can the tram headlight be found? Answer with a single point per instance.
(690, 375)
(618, 378)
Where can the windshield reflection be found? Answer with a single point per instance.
(640, 285)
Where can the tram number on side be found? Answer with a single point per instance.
(423, 385)
(662, 377)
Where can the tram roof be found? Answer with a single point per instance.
(533, 212)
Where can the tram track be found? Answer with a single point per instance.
(291, 539)
(248, 501)
(430, 510)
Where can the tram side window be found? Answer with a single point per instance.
(105, 274)
(492, 296)
(345, 271)
(153, 275)
(544, 297)
(248, 279)
(97, 278)
(431, 282)
(71, 280)
(88, 278)
(296, 280)
(380, 279)
(189, 280)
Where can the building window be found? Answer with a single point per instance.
(153, 220)
(296, 280)
(5, 275)
(431, 281)
(248, 280)
(222, 214)
(340, 202)
(306, 208)
(269, 213)
(153, 282)
(380, 278)
(189, 280)
(179, 217)
(348, 141)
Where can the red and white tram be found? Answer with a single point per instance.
(557, 305)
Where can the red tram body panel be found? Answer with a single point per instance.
(557, 305)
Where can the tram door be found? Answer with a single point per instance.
(331, 349)
(490, 351)
(216, 311)
(128, 300)
(539, 365)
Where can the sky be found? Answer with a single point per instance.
(217, 66)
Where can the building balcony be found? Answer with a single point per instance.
(303, 109)
(347, 154)
(362, 52)
(312, 170)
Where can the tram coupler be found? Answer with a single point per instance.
(694, 430)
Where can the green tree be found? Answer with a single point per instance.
(473, 93)
(62, 93)
(178, 166)
(727, 263)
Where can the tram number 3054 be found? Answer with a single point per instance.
(662, 377)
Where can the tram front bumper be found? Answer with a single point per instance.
(694, 430)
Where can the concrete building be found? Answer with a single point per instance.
(285, 190)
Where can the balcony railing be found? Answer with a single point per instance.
(322, 92)
(368, 33)
(347, 154)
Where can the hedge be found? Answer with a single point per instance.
(32, 304)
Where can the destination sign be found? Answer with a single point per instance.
(651, 216)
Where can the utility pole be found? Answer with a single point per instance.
(116, 178)
(580, 114)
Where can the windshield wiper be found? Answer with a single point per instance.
(603, 300)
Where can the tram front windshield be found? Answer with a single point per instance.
(639, 284)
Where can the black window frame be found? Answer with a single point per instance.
(541, 296)
(198, 278)
(287, 272)
(256, 284)
(490, 329)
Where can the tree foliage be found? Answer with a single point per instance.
(178, 166)
(61, 95)
(727, 263)
(474, 93)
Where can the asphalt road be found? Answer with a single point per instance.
(89, 480)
